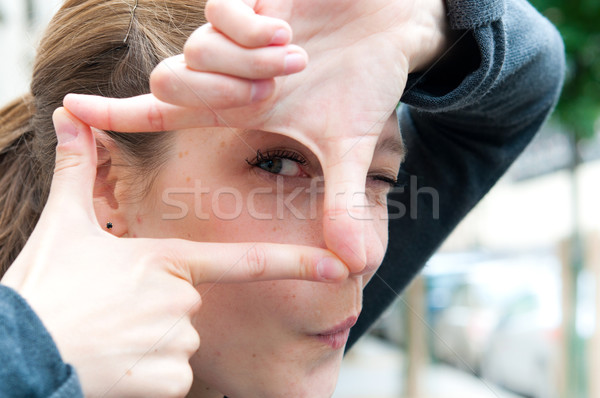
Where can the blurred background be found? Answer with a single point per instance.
(508, 307)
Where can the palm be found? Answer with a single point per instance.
(354, 80)
(337, 106)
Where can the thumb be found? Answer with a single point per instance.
(70, 196)
(76, 161)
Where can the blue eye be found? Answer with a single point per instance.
(280, 166)
(283, 163)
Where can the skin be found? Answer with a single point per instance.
(257, 338)
(152, 280)
(129, 331)
(337, 112)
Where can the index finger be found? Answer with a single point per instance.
(144, 113)
(202, 262)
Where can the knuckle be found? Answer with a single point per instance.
(257, 34)
(191, 300)
(262, 64)
(197, 49)
(183, 377)
(195, 54)
(229, 92)
(160, 80)
(212, 8)
(187, 378)
(256, 261)
(155, 118)
(66, 161)
(190, 342)
(306, 270)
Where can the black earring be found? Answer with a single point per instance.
(109, 225)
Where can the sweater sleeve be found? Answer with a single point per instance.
(463, 123)
(31, 365)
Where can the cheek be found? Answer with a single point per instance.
(378, 237)
(238, 212)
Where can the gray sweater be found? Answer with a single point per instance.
(463, 123)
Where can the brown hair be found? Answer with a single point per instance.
(101, 47)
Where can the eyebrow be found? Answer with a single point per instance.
(391, 144)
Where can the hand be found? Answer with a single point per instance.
(119, 310)
(361, 53)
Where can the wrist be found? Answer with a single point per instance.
(435, 37)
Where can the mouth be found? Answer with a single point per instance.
(337, 336)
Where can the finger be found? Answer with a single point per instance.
(239, 22)
(173, 82)
(144, 113)
(249, 262)
(210, 51)
(75, 169)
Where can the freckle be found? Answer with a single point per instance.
(129, 373)
(188, 179)
(293, 296)
(222, 144)
(186, 153)
(253, 355)
(180, 154)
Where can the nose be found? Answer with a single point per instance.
(349, 224)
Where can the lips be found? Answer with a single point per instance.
(337, 336)
(347, 324)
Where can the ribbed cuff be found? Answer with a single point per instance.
(471, 14)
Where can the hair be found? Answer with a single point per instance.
(100, 47)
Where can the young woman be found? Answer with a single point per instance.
(283, 338)
(217, 184)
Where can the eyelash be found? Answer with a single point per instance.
(296, 157)
(392, 182)
(276, 154)
(400, 182)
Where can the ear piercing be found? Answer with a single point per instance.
(109, 225)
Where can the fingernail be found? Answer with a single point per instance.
(331, 269)
(293, 62)
(281, 37)
(66, 130)
(261, 90)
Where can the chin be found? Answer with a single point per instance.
(296, 380)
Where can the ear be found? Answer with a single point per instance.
(108, 203)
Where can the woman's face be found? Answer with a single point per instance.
(281, 338)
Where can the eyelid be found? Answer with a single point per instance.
(393, 182)
(278, 153)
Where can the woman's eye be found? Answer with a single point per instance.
(385, 181)
(280, 166)
(280, 162)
